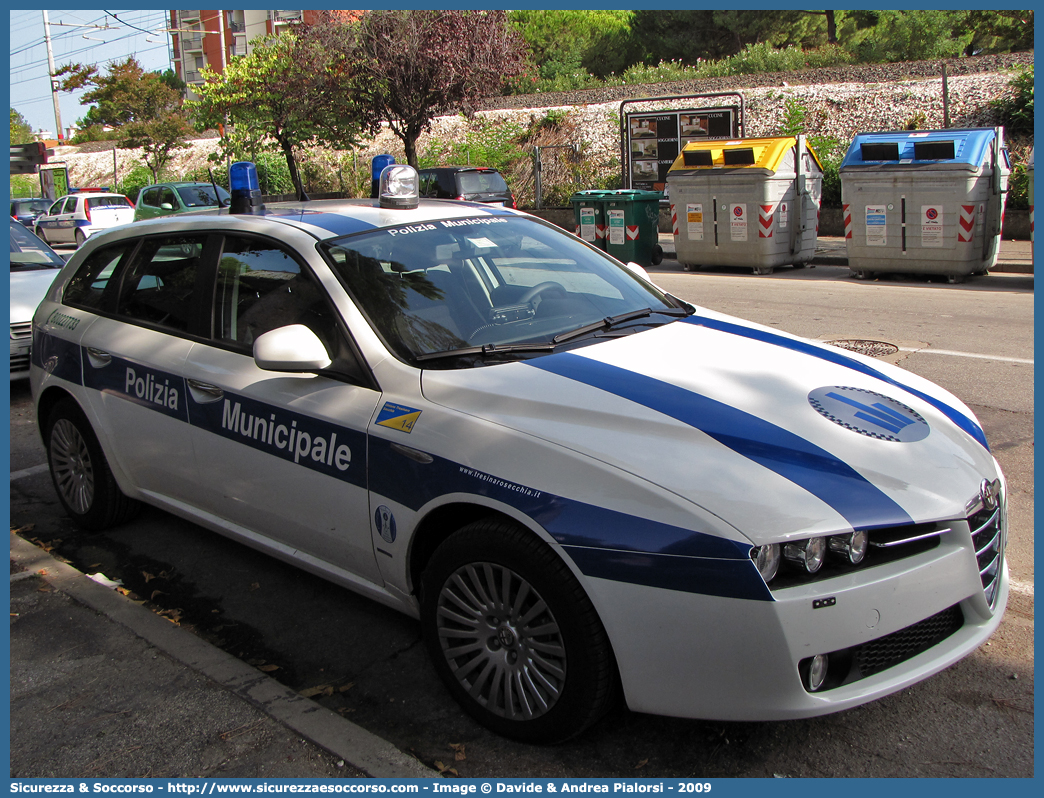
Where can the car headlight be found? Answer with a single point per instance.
(852, 547)
(766, 558)
(807, 553)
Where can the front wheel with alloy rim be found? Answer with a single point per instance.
(80, 472)
(514, 636)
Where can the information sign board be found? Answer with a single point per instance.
(655, 138)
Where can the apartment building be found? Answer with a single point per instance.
(212, 38)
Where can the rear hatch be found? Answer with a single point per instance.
(484, 185)
(109, 211)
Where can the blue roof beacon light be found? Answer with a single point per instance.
(244, 188)
(378, 165)
(400, 187)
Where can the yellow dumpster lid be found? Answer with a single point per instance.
(764, 153)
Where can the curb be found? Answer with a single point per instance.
(842, 260)
(326, 729)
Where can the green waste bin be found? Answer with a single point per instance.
(632, 220)
(589, 216)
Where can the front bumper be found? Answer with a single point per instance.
(698, 656)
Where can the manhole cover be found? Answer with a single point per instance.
(868, 348)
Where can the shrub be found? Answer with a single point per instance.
(134, 181)
(1016, 108)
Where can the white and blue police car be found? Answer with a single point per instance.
(581, 485)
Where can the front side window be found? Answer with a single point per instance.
(483, 281)
(159, 286)
(260, 288)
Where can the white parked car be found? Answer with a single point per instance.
(74, 217)
(581, 485)
(34, 265)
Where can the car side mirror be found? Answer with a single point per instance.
(166, 206)
(292, 348)
(639, 270)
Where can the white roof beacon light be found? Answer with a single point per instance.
(400, 187)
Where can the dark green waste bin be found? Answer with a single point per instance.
(589, 216)
(632, 221)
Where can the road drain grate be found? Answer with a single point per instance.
(868, 348)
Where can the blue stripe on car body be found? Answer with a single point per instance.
(839, 359)
(822, 474)
(603, 543)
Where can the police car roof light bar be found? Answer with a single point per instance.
(245, 189)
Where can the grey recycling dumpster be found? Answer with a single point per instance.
(924, 202)
(747, 202)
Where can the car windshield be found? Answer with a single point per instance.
(481, 183)
(202, 196)
(29, 253)
(488, 283)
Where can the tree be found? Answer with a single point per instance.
(145, 107)
(21, 130)
(567, 40)
(429, 63)
(293, 89)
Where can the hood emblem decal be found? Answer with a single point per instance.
(868, 413)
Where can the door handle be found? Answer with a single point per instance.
(204, 392)
(99, 358)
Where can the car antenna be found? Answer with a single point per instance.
(217, 196)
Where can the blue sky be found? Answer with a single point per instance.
(80, 38)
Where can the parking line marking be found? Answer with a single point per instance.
(929, 351)
(28, 472)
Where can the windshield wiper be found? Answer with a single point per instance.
(489, 349)
(611, 321)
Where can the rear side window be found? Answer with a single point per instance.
(159, 286)
(202, 196)
(150, 197)
(87, 287)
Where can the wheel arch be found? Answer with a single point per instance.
(45, 404)
(436, 526)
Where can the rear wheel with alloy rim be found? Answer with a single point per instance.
(80, 472)
(514, 636)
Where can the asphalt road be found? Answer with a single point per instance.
(973, 720)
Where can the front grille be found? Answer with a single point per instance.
(21, 331)
(987, 530)
(19, 363)
(883, 653)
(852, 664)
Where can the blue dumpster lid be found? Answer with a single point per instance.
(954, 148)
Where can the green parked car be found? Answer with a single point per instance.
(165, 199)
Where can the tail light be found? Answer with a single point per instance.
(87, 209)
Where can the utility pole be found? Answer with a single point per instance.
(50, 74)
